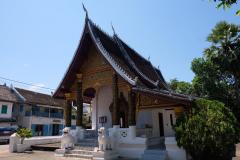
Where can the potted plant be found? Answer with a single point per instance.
(22, 134)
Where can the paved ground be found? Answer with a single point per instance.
(35, 155)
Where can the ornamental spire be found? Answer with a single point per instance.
(114, 33)
(85, 10)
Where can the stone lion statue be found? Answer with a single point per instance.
(104, 140)
(67, 140)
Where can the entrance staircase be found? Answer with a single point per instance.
(156, 149)
(83, 149)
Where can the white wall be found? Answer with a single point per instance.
(9, 109)
(150, 116)
(100, 107)
(104, 101)
(144, 117)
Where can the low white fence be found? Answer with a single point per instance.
(128, 145)
(16, 146)
(174, 152)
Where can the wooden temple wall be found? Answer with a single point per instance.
(96, 73)
(146, 102)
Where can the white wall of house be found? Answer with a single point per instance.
(9, 109)
(151, 118)
(144, 118)
(45, 120)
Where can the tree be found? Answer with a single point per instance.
(181, 87)
(24, 133)
(217, 73)
(227, 4)
(209, 132)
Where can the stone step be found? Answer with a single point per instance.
(89, 140)
(158, 152)
(86, 145)
(83, 152)
(86, 148)
(79, 156)
(154, 157)
(93, 142)
(156, 142)
(154, 154)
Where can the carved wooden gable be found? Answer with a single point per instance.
(152, 102)
(96, 71)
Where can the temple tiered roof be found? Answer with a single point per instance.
(127, 63)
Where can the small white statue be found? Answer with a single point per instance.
(104, 140)
(67, 140)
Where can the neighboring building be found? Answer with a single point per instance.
(8, 101)
(40, 112)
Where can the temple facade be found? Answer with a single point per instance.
(123, 88)
(132, 106)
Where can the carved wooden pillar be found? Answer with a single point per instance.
(79, 100)
(115, 114)
(131, 108)
(68, 110)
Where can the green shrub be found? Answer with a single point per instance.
(209, 132)
(24, 133)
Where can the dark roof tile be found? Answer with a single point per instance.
(32, 97)
(7, 94)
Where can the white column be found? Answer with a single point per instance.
(132, 132)
(97, 109)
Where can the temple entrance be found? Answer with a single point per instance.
(170, 121)
(122, 120)
(161, 125)
(122, 110)
(88, 96)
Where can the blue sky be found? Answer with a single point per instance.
(38, 38)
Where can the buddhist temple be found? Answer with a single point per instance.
(127, 94)
(122, 86)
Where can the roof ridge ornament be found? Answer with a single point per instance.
(85, 10)
(114, 32)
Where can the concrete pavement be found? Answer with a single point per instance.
(34, 155)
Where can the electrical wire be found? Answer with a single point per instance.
(25, 83)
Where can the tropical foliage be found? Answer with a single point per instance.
(181, 87)
(24, 133)
(209, 132)
(212, 129)
(227, 4)
(217, 73)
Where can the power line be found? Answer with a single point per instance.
(29, 84)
